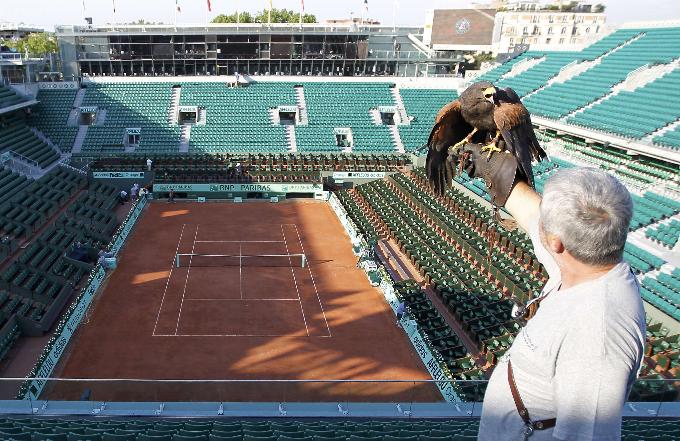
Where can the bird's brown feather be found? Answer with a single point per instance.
(510, 115)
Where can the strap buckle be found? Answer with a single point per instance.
(528, 431)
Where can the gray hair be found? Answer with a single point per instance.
(590, 211)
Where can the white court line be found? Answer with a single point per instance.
(309, 267)
(167, 282)
(294, 279)
(186, 281)
(240, 269)
(242, 335)
(239, 241)
(247, 300)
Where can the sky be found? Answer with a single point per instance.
(47, 13)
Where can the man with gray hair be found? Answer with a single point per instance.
(569, 370)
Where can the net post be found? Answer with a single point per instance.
(176, 260)
(304, 260)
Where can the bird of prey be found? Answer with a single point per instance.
(482, 114)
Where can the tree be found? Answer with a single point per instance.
(244, 17)
(599, 7)
(36, 44)
(278, 16)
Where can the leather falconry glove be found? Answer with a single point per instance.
(499, 173)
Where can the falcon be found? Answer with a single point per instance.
(483, 114)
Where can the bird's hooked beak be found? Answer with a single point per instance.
(489, 93)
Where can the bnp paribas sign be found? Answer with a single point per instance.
(260, 187)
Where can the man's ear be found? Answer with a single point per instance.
(554, 244)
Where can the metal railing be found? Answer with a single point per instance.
(139, 390)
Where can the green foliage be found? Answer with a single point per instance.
(244, 17)
(599, 7)
(37, 44)
(278, 16)
(565, 7)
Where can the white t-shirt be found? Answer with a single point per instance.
(575, 360)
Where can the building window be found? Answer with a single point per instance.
(535, 32)
(525, 31)
(564, 31)
(561, 40)
(588, 30)
(512, 41)
(547, 41)
(550, 30)
(551, 19)
(534, 19)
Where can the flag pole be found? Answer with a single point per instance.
(302, 11)
(363, 11)
(269, 20)
(238, 14)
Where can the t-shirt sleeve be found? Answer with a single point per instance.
(589, 394)
(542, 254)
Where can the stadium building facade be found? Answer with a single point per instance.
(254, 49)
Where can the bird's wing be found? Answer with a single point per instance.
(449, 128)
(514, 123)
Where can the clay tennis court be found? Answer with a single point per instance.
(238, 320)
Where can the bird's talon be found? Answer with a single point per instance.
(490, 148)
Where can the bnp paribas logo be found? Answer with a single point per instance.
(284, 188)
(214, 187)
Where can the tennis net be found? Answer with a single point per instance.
(220, 260)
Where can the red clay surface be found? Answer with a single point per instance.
(321, 322)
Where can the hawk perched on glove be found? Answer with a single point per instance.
(482, 114)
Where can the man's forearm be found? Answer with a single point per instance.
(523, 204)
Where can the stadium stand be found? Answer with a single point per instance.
(422, 105)
(621, 113)
(238, 119)
(670, 138)
(551, 63)
(37, 280)
(666, 234)
(51, 115)
(8, 97)
(17, 137)
(295, 167)
(228, 429)
(131, 105)
(559, 99)
(345, 105)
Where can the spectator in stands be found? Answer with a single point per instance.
(149, 162)
(401, 308)
(569, 370)
(102, 256)
(143, 193)
(171, 195)
(122, 197)
(134, 191)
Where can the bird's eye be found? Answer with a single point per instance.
(488, 95)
